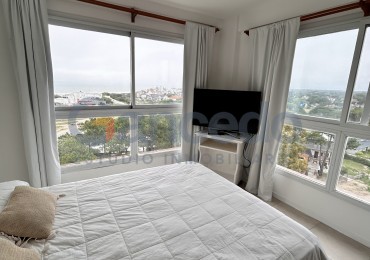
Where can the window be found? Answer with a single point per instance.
(360, 103)
(159, 132)
(307, 152)
(325, 140)
(88, 66)
(117, 95)
(158, 72)
(354, 178)
(319, 84)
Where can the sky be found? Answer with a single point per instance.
(324, 62)
(93, 62)
(98, 62)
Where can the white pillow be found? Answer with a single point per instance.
(6, 188)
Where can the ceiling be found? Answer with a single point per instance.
(222, 9)
(216, 8)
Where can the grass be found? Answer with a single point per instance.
(354, 169)
(365, 155)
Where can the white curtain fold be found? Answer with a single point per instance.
(27, 24)
(197, 59)
(272, 52)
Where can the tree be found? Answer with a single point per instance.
(323, 111)
(98, 131)
(356, 114)
(72, 151)
(323, 140)
(116, 145)
(353, 143)
(291, 149)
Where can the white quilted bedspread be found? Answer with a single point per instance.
(180, 211)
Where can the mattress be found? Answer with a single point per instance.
(179, 211)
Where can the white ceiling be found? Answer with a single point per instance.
(216, 8)
(223, 9)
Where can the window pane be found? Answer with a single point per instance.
(159, 72)
(93, 139)
(320, 74)
(360, 105)
(354, 177)
(90, 68)
(306, 152)
(159, 132)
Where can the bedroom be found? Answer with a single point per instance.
(329, 50)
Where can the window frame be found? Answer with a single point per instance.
(133, 111)
(341, 128)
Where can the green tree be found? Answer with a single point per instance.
(323, 140)
(98, 131)
(292, 149)
(117, 145)
(356, 114)
(72, 151)
(159, 131)
(353, 143)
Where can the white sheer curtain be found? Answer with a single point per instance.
(197, 58)
(27, 23)
(272, 51)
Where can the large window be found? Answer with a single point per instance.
(326, 139)
(118, 95)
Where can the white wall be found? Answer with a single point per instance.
(341, 215)
(12, 158)
(230, 66)
(230, 72)
(96, 14)
(80, 9)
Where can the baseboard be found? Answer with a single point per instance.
(348, 233)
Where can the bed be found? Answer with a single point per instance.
(179, 211)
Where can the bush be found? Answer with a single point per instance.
(357, 159)
(344, 171)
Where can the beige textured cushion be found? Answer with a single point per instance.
(9, 251)
(29, 213)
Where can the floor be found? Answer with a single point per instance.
(336, 245)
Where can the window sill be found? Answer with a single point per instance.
(146, 158)
(299, 177)
(321, 187)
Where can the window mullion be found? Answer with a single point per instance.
(353, 74)
(133, 79)
(134, 129)
(336, 163)
(366, 114)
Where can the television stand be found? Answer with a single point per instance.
(223, 154)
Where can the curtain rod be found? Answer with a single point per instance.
(363, 4)
(134, 12)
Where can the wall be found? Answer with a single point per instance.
(341, 215)
(72, 7)
(90, 13)
(230, 72)
(12, 158)
(230, 66)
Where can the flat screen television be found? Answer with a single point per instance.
(227, 111)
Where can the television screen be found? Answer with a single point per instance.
(227, 110)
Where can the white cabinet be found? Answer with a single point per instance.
(222, 154)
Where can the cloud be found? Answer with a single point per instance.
(91, 61)
(324, 62)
